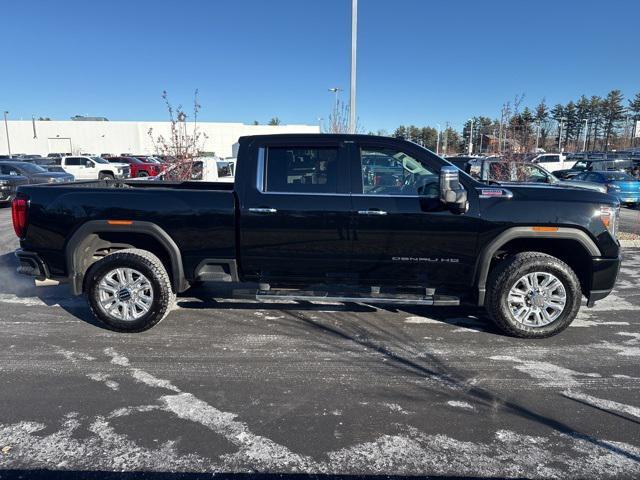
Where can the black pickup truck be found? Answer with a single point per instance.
(353, 218)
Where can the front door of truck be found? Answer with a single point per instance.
(294, 221)
(403, 234)
(76, 166)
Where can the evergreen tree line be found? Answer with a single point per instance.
(590, 123)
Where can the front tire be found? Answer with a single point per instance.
(533, 295)
(142, 174)
(105, 176)
(129, 290)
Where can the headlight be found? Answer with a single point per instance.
(611, 186)
(610, 217)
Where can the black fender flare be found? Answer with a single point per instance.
(564, 233)
(73, 253)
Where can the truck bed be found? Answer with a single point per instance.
(198, 216)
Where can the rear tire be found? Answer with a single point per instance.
(142, 174)
(129, 290)
(542, 310)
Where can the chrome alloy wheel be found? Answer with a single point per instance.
(537, 299)
(125, 294)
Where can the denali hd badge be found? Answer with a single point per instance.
(425, 259)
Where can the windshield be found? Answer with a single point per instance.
(98, 160)
(580, 165)
(619, 176)
(31, 168)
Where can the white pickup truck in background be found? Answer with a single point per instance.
(552, 161)
(94, 168)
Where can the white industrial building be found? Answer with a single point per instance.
(53, 136)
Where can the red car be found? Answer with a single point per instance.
(138, 167)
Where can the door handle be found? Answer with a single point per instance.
(263, 210)
(371, 212)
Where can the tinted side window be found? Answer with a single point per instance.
(302, 170)
(551, 158)
(74, 161)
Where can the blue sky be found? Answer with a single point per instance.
(420, 61)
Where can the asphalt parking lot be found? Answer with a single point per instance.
(236, 386)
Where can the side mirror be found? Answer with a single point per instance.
(88, 164)
(452, 194)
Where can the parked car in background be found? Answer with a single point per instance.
(503, 172)
(8, 185)
(138, 168)
(33, 173)
(619, 184)
(551, 161)
(207, 169)
(49, 164)
(59, 155)
(598, 165)
(94, 168)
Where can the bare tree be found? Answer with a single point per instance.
(184, 141)
(339, 119)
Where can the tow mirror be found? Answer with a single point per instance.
(88, 164)
(452, 193)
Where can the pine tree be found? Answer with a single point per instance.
(613, 114)
(634, 109)
(542, 118)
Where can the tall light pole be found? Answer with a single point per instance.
(6, 129)
(438, 140)
(538, 136)
(354, 37)
(584, 141)
(336, 91)
(470, 136)
(562, 119)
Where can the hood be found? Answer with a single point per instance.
(555, 192)
(45, 177)
(14, 179)
(578, 184)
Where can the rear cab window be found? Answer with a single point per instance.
(301, 170)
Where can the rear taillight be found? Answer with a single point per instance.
(19, 210)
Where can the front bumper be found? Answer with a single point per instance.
(604, 272)
(6, 192)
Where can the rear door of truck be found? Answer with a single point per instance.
(295, 213)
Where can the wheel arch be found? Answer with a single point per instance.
(85, 241)
(570, 245)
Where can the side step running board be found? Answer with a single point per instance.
(436, 300)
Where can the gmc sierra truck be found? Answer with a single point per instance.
(349, 218)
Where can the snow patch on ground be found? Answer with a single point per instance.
(394, 407)
(116, 358)
(74, 356)
(420, 454)
(609, 405)
(550, 375)
(460, 404)
(103, 450)
(415, 319)
(144, 377)
(103, 377)
(259, 452)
